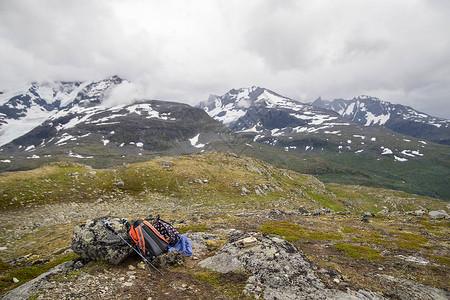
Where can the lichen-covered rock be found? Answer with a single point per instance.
(92, 241)
(405, 289)
(199, 246)
(170, 259)
(279, 270)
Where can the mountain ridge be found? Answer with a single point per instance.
(371, 111)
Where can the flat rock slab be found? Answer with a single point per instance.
(280, 271)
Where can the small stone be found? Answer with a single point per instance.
(131, 267)
(149, 298)
(127, 284)
(245, 191)
(78, 265)
(15, 280)
(247, 242)
(141, 266)
(335, 280)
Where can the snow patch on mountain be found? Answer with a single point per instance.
(13, 128)
(371, 119)
(386, 151)
(72, 154)
(195, 143)
(401, 159)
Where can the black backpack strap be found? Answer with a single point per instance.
(137, 222)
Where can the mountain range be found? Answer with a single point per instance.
(371, 111)
(45, 122)
(320, 141)
(279, 121)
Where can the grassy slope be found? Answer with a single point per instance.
(427, 175)
(212, 179)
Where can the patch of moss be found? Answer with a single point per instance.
(445, 260)
(326, 200)
(193, 228)
(25, 274)
(347, 230)
(371, 237)
(232, 284)
(289, 231)
(4, 266)
(293, 232)
(433, 225)
(213, 245)
(357, 251)
(411, 241)
(33, 297)
(209, 277)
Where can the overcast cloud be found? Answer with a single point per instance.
(397, 50)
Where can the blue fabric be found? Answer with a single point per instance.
(183, 246)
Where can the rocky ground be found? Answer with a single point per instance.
(44, 232)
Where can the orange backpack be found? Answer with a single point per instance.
(149, 241)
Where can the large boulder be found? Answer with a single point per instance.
(279, 270)
(92, 241)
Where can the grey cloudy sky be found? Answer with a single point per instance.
(397, 50)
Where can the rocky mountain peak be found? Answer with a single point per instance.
(235, 104)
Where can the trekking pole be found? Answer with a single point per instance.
(146, 262)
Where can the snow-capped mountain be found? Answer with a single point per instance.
(135, 128)
(25, 107)
(369, 111)
(73, 120)
(259, 110)
(276, 120)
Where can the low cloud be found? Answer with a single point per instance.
(126, 93)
